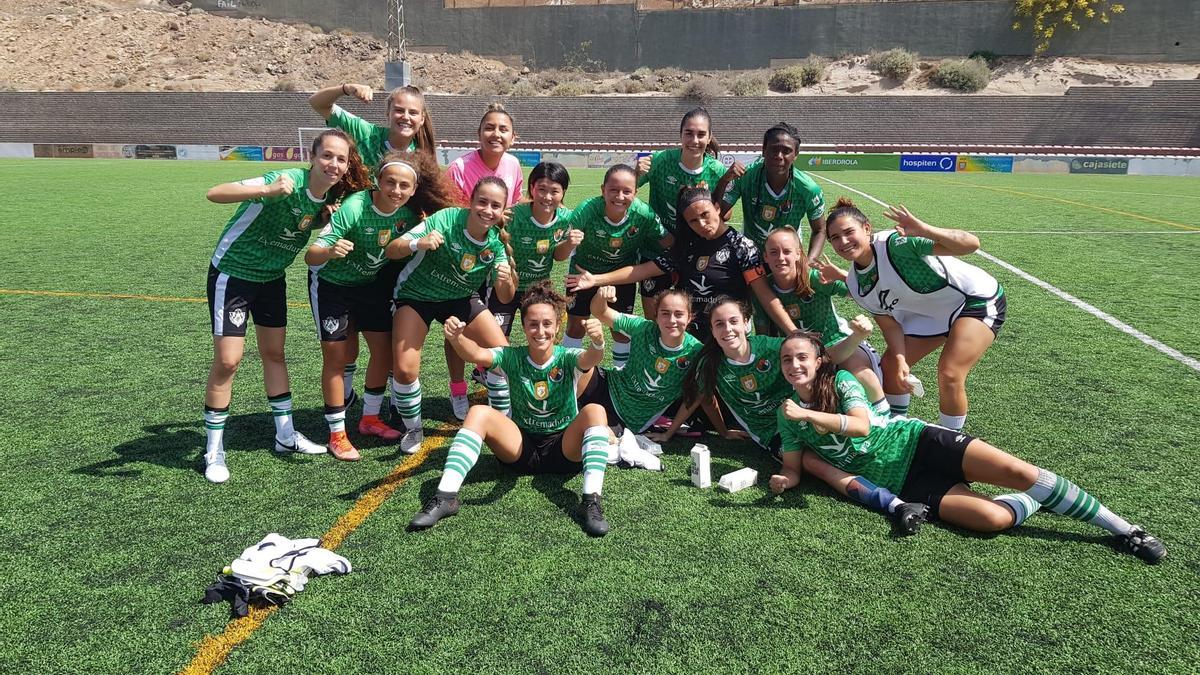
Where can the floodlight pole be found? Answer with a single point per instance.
(396, 71)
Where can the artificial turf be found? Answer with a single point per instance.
(110, 532)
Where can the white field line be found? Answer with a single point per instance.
(1090, 309)
(1085, 233)
(1049, 189)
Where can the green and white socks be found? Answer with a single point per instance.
(348, 378)
(1062, 496)
(620, 354)
(595, 458)
(214, 428)
(498, 394)
(407, 399)
(463, 454)
(281, 410)
(373, 400)
(899, 404)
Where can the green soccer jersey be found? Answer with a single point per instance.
(607, 245)
(457, 268)
(371, 139)
(543, 396)
(753, 390)
(533, 243)
(370, 230)
(265, 235)
(653, 377)
(667, 174)
(816, 313)
(882, 457)
(763, 210)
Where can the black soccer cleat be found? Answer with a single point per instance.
(440, 505)
(908, 518)
(593, 516)
(1142, 545)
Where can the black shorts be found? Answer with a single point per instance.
(232, 302)
(597, 392)
(334, 307)
(466, 309)
(580, 304)
(936, 466)
(992, 314)
(654, 285)
(542, 453)
(504, 312)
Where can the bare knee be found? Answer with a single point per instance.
(995, 519)
(226, 365)
(594, 415)
(271, 354)
(951, 379)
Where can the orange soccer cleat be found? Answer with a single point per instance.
(371, 425)
(340, 447)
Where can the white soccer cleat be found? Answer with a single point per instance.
(301, 445)
(460, 405)
(214, 466)
(411, 441)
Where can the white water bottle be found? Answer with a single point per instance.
(701, 466)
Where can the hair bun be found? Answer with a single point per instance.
(843, 202)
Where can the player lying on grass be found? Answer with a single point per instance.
(774, 193)
(660, 353)
(453, 253)
(274, 220)
(708, 259)
(608, 232)
(342, 288)
(409, 129)
(923, 298)
(548, 432)
(694, 163)
(807, 294)
(828, 415)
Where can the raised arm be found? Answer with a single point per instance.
(854, 424)
(736, 171)
(605, 295)
(420, 238)
(464, 346)
(624, 275)
(945, 241)
(595, 351)
(772, 305)
(324, 99)
(254, 188)
(567, 246)
(860, 329)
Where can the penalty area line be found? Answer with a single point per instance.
(1087, 307)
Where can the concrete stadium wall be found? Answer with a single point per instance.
(624, 38)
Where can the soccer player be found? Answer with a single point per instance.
(694, 163)
(453, 253)
(342, 289)
(828, 415)
(660, 353)
(774, 193)
(548, 432)
(607, 232)
(536, 229)
(807, 297)
(708, 259)
(274, 220)
(923, 298)
(409, 128)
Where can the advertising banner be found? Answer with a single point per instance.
(1037, 164)
(447, 155)
(933, 163)
(242, 153)
(571, 160)
(985, 163)
(1113, 165)
(276, 153)
(197, 152)
(728, 158)
(21, 150)
(527, 157)
(152, 151)
(603, 160)
(1164, 166)
(111, 151)
(64, 150)
(856, 162)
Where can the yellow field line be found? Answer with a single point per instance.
(214, 649)
(1079, 204)
(113, 296)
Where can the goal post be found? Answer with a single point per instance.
(305, 136)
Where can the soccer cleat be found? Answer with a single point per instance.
(412, 440)
(460, 405)
(908, 518)
(214, 466)
(593, 516)
(341, 448)
(440, 505)
(479, 376)
(371, 425)
(1142, 545)
(351, 399)
(299, 444)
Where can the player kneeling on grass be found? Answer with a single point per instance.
(548, 431)
(277, 215)
(828, 415)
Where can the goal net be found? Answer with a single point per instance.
(306, 135)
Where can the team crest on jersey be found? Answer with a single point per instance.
(385, 236)
(722, 255)
(763, 365)
(662, 365)
(786, 207)
(683, 362)
(793, 311)
(305, 223)
(543, 245)
(558, 234)
(633, 231)
(331, 324)
(702, 184)
(671, 180)
(486, 256)
(701, 263)
(556, 374)
(237, 317)
(749, 383)
(541, 390)
(615, 242)
(467, 262)
(768, 213)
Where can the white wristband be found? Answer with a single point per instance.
(842, 422)
(598, 345)
(412, 245)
